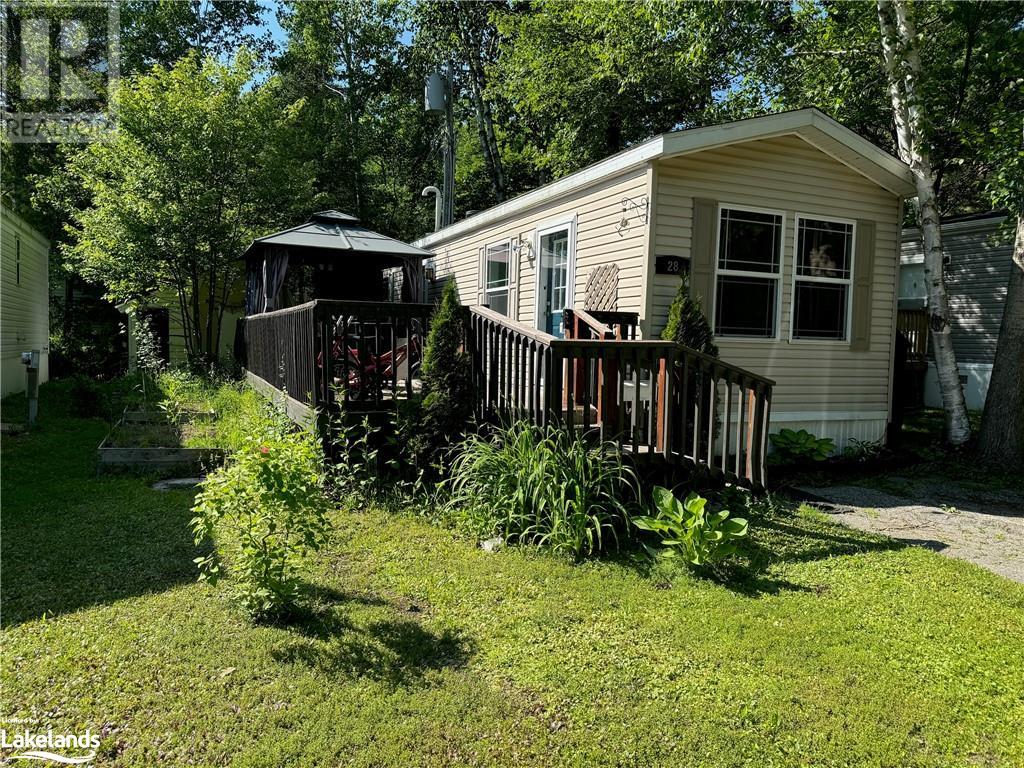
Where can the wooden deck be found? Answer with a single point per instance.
(654, 399)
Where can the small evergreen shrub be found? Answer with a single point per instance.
(263, 511)
(447, 407)
(542, 486)
(687, 324)
(685, 529)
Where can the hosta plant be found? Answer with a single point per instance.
(797, 446)
(686, 529)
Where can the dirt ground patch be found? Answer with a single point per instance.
(982, 527)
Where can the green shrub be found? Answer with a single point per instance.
(86, 398)
(797, 447)
(687, 324)
(863, 450)
(542, 486)
(447, 382)
(263, 510)
(686, 530)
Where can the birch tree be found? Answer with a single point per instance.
(903, 68)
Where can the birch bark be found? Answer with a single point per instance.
(903, 67)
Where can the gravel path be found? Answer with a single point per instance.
(986, 529)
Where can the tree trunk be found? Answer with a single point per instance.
(485, 121)
(1001, 440)
(903, 64)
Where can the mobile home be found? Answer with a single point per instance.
(25, 302)
(788, 225)
(977, 250)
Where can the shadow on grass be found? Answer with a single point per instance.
(71, 539)
(392, 649)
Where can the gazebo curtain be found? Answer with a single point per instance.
(264, 280)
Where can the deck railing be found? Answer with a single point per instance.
(281, 348)
(366, 350)
(913, 324)
(654, 398)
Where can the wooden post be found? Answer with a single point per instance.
(578, 363)
(661, 410)
(751, 426)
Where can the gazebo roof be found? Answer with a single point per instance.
(335, 231)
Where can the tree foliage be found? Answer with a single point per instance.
(363, 126)
(200, 165)
(827, 54)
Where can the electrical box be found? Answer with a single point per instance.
(30, 359)
(434, 93)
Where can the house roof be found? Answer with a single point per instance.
(811, 124)
(335, 231)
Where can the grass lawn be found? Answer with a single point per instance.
(823, 646)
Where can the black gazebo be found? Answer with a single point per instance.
(331, 256)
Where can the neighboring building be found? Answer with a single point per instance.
(977, 252)
(789, 225)
(164, 316)
(24, 300)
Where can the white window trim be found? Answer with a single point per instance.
(487, 291)
(777, 276)
(548, 228)
(847, 281)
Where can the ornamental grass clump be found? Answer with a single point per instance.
(263, 511)
(543, 486)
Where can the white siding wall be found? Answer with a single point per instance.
(24, 301)
(843, 394)
(597, 211)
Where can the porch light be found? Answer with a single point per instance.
(523, 246)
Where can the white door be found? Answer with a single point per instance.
(554, 283)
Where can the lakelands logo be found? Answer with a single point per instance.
(39, 746)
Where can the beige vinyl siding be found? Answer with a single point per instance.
(597, 211)
(789, 175)
(24, 302)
